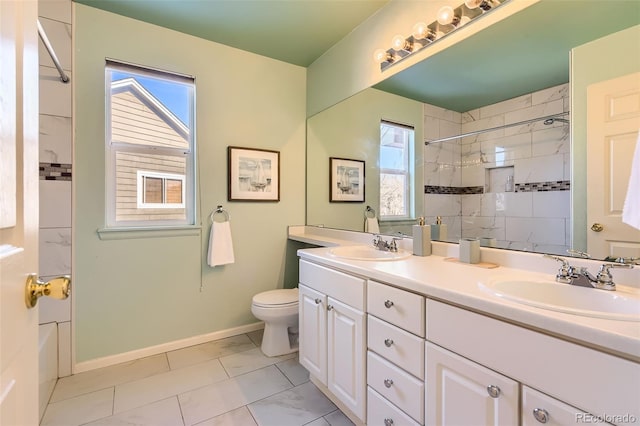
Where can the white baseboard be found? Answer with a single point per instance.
(165, 347)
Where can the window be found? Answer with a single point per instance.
(160, 190)
(150, 147)
(396, 143)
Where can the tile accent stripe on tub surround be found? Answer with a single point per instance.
(55, 171)
(454, 190)
(560, 185)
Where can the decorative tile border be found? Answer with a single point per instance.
(55, 171)
(560, 185)
(453, 190)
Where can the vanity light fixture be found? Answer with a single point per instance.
(448, 19)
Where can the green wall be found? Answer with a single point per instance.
(136, 290)
(609, 57)
(351, 129)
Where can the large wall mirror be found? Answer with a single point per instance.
(496, 150)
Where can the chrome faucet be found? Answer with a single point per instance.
(383, 245)
(581, 277)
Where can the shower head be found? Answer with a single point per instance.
(550, 121)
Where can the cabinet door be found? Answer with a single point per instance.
(539, 408)
(461, 392)
(312, 325)
(346, 350)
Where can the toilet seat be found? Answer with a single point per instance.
(280, 298)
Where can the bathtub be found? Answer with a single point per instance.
(48, 362)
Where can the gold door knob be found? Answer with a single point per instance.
(58, 288)
(597, 227)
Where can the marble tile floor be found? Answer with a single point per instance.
(225, 382)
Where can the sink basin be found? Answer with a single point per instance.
(622, 304)
(367, 253)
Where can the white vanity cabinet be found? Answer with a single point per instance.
(469, 355)
(332, 333)
(395, 359)
(461, 392)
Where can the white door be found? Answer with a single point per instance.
(346, 352)
(461, 392)
(18, 211)
(312, 326)
(613, 120)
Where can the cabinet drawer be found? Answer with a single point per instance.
(347, 288)
(539, 408)
(561, 369)
(381, 412)
(396, 345)
(399, 307)
(396, 385)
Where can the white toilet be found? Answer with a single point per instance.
(279, 311)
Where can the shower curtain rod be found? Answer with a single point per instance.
(45, 40)
(477, 132)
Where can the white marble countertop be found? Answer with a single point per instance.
(458, 284)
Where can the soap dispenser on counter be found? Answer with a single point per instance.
(439, 230)
(421, 238)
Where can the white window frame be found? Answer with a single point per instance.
(141, 189)
(407, 172)
(112, 147)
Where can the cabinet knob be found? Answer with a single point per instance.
(493, 391)
(329, 307)
(388, 303)
(388, 382)
(318, 301)
(541, 415)
(388, 342)
(388, 422)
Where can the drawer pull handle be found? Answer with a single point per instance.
(388, 342)
(318, 301)
(388, 303)
(388, 422)
(388, 382)
(329, 307)
(541, 415)
(493, 391)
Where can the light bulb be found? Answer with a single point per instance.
(472, 4)
(398, 42)
(445, 15)
(381, 55)
(485, 5)
(420, 31)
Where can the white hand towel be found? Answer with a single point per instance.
(371, 225)
(631, 209)
(220, 244)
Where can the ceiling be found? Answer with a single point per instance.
(527, 52)
(293, 31)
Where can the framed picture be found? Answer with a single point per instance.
(253, 174)
(346, 180)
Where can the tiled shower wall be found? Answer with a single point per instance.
(55, 170)
(510, 185)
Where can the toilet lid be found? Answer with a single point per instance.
(285, 296)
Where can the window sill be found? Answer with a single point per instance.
(155, 232)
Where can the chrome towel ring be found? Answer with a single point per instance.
(220, 210)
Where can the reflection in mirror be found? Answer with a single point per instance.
(509, 184)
